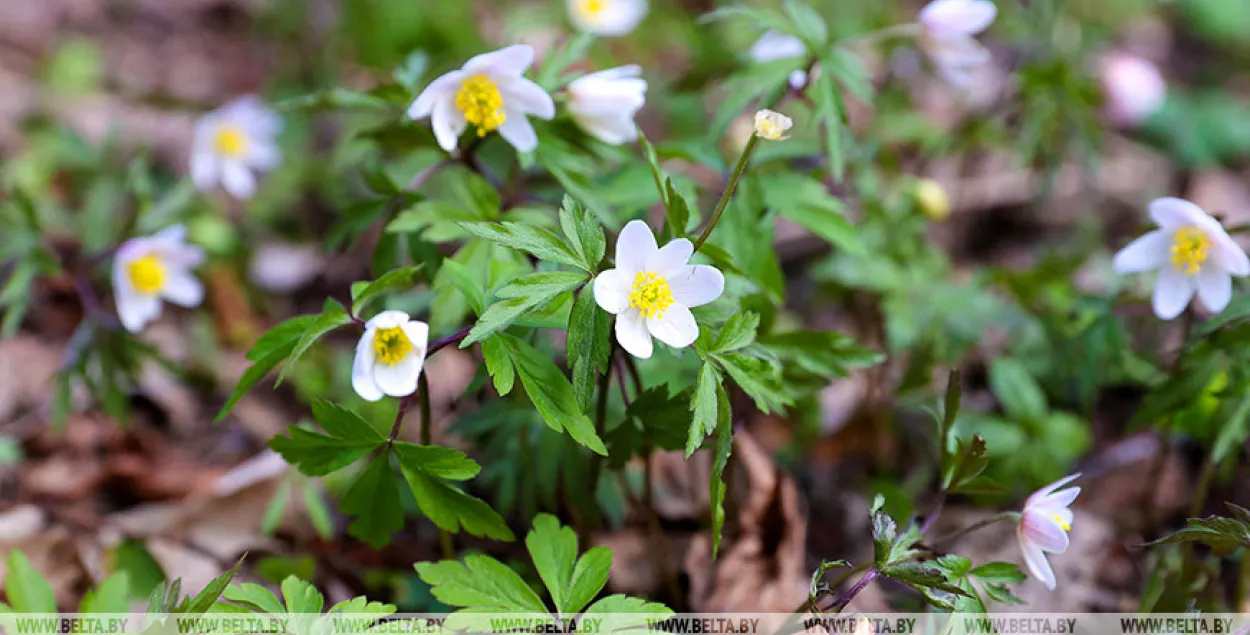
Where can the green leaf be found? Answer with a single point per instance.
(523, 295)
(922, 577)
(965, 464)
(481, 583)
(809, 25)
(554, 551)
(828, 354)
(825, 93)
(850, 72)
(499, 364)
(28, 592)
(426, 468)
(1233, 432)
(301, 597)
(467, 281)
(318, 515)
(1222, 535)
(536, 241)
(589, 577)
(1001, 572)
(254, 597)
(552, 394)
(364, 293)
(269, 351)
(738, 332)
(334, 99)
(677, 209)
(806, 202)
(758, 378)
(348, 439)
(621, 613)
(206, 598)
(333, 318)
(584, 234)
(704, 407)
(275, 509)
(724, 447)
(1017, 391)
(374, 501)
(884, 531)
(588, 344)
(112, 596)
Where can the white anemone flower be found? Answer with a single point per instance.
(652, 290)
(947, 38)
(608, 18)
(772, 125)
(1133, 87)
(774, 45)
(389, 356)
(490, 93)
(231, 143)
(1192, 252)
(1044, 527)
(604, 103)
(153, 268)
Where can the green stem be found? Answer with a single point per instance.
(427, 423)
(996, 518)
(1200, 499)
(729, 190)
(910, 29)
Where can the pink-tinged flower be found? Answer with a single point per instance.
(1044, 527)
(1133, 88)
(153, 268)
(948, 29)
(1192, 252)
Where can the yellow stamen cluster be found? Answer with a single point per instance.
(1189, 249)
(1059, 519)
(651, 294)
(594, 7)
(481, 103)
(391, 345)
(230, 142)
(147, 274)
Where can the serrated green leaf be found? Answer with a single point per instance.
(621, 613)
(703, 405)
(437, 461)
(552, 394)
(332, 319)
(738, 332)
(206, 598)
(583, 233)
(677, 209)
(523, 295)
(373, 499)
(255, 597)
(301, 597)
(348, 439)
(468, 282)
(554, 551)
(499, 364)
(425, 468)
(480, 583)
(589, 577)
(391, 280)
(27, 590)
(588, 344)
(536, 241)
(724, 447)
(1000, 572)
(806, 202)
(758, 378)
(270, 350)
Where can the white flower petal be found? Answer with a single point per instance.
(1047, 491)
(1147, 253)
(205, 168)
(1172, 213)
(958, 58)
(612, 289)
(696, 285)
(506, 62)
(634, 247)
(523, 95)
(1133, 87)
(136, 310)
(257, 120)
(362, 369)
(676, 327)
(612, 129)
(447, 122)
(957, 17)
(632, 334)
(444, 87)
(263, 156)
(237, 179)
(1043, 531)
(418, 333)
(671, 258)
(399, 379)
(1215, 288)
(387, 320)
(518, 131)
(774, 45)
(1229, 254)
(1035, 560)
(617, 18)
(183, 289)
(1172, 293)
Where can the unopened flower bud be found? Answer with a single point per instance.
(932, 199)
(772, 125)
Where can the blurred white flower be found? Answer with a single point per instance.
(153, 268)
(772, 125)
(1192, 252)
(604, 103)
(283, 268)
(607, 17)
(947, 38)
(1133, 88)
(232, 142)
(389, 356)
(652, 290)
(490, 93)
(774, 45)
(1044, 527)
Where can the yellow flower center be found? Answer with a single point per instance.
(1189, 249)
(481, 103)
(230, 142)
(147, 274)
(391, 345)
(651, 294)
(594, 7)
(1059, 519)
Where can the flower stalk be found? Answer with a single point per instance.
(739, 170)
